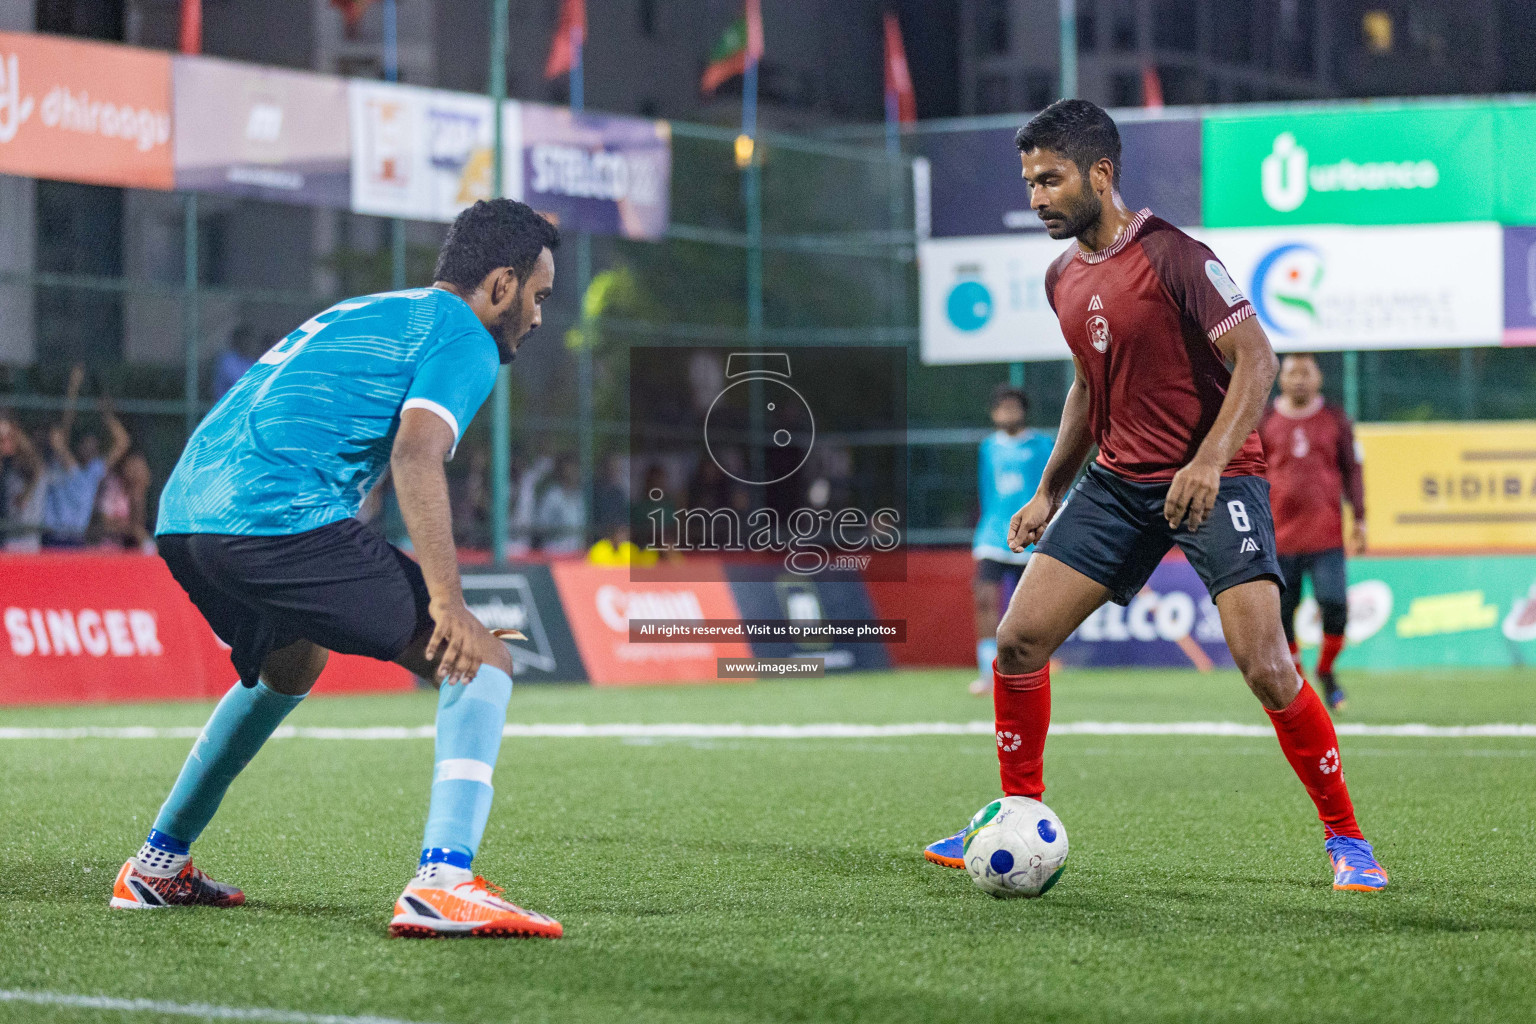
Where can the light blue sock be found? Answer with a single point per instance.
(241, 723)
(986, 652)
(470, 717)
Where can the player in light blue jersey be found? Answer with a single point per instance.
(257, 524)
(1010, 464)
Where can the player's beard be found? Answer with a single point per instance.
(510, 329)
(1072, 219)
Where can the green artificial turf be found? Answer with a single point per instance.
(781, 880)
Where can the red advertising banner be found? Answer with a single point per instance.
(89, 112)
(111, 627)
(599, 602)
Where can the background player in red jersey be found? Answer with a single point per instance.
(1172, 375)
(1310, 448)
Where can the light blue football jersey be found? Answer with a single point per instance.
(1010, 471)
(304, 435)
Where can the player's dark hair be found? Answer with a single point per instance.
(492, 234)
(1077, 129)
(1007, 392)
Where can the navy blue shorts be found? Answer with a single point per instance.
(1329, 585)
(1113, 531)
(342, 587)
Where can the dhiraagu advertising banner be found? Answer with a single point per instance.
(1415, 612)
(1403, 165)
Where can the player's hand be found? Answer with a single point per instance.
(459, 636)
(1192, 494)
(1029, 522)
(1357, 538)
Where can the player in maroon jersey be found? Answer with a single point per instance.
(1310, 448)
(1173, 373)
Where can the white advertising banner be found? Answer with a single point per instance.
(425, 154)
(1330, 288)
(1318, 288)
(983, 299)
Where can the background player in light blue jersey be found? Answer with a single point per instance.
(257, 524)
(1010, 464)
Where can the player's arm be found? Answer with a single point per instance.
(120, 441)
(421, 486)
(1354, 484)
(1073, 443)
(1193, 490)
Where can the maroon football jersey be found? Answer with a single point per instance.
(1142, 317)
(1312, 465)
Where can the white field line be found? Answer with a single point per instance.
(202, 1011)
(824, 730)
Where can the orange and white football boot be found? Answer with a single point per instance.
(189, 887)
(471, 907)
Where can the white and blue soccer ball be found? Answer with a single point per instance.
(1015, 847)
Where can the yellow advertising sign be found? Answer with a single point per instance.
(1450, 486)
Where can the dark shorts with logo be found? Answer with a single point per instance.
(342, 587)
(1113, 531)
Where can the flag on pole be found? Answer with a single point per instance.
(740, 46)
(191, 26)
(1151, 88)
(352, 11)
(900, 98)
(570, 36)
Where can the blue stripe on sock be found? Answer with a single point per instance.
(438, 855)
(170, 844)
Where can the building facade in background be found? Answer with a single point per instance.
(1242, 51)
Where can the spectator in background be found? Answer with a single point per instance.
(610, 500)
(561, 517)
(75, 473)
(21, 488)
(122, 501)
(246, 345)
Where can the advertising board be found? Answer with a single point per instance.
(87, 112)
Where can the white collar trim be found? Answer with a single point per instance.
(1126, 237)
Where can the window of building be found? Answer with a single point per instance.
(1039, 90)
(992, 17)
(1125, 90)
(993, 95)
(646, 16)
(1087, 30)
(94, 19)
(1122, 27)
(1176, 25)
(1376, 31)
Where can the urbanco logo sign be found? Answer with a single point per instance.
(1287, 176)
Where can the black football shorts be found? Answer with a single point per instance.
(342, 586)
(1113, 531)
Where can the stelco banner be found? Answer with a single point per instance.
(93, 627)
(1403, 613)
(1405, 165)
(261, 132)
(597, 172)
(88, 112)
(1450, 486)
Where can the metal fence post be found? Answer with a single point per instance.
(190, 312)
(501, 397)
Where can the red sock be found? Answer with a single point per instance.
(1332, 645)
(1308, 740)
(1296, 656)
(1023, 708)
